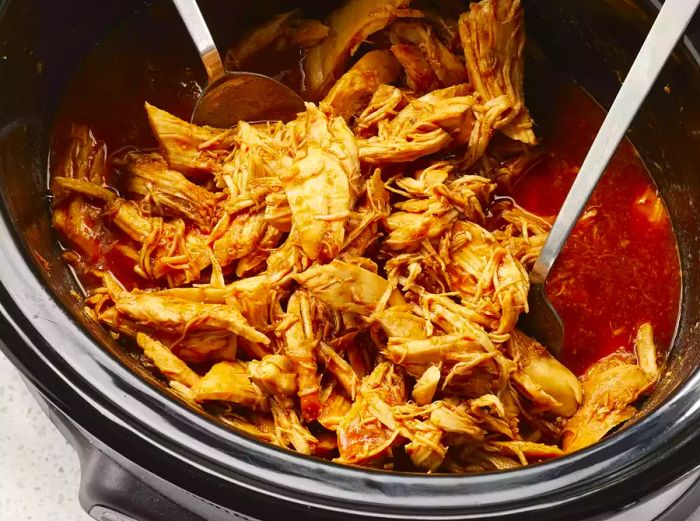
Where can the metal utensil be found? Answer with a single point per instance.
(542, 321)
(233, 96)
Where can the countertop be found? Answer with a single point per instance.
(39, 472)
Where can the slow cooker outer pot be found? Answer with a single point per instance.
(166, 442)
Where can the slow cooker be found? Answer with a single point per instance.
(145, 455)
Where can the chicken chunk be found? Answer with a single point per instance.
(78, 177)
(334, 407)
(361, 435)
(83, 187)
(425, 126)
(540, 372)
(524, 234)
(178, 315)
(230, 382)
(351, 93)
(493, 36)
(164, 191)
(168, 250)
(349, 26)
(188, 148)
(480, 270)
(401, 322)
(319, 184)
(307, 32)
(301, 338)
(426, 386)
(289, 429)
(386, 102)
(526, 451)
(167, 363)
(408, 230)
(362, 227)
(344, 373)
(457, 357)
(428, 63)
(610, 387)
(275, 375)
(257, 39)
(344, 286)
(458, 424)
(420, 76)
(249, 175)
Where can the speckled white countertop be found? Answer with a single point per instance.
(39, 471)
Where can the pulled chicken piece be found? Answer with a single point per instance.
(319, 183)
(188, 148)
(344, 286)
(428, 62)
(483, 272)
(230, 382)
(351, 93)
(165, 191)
(78, 186)
(362, 435)
(425, 126)
(302, 333)
(257, 39)
(542, 378)
(493, 37)
(167, 363)
(349, 26)
(610, 388)
(173, 314)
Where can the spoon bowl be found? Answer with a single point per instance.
(542, 321)
(231, 97)
(246, 96)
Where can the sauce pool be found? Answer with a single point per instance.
(620, 268)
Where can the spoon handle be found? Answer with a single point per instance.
(199, 32)
(668, 27)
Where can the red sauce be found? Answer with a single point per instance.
(620, 268)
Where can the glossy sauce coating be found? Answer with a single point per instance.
(620, 267)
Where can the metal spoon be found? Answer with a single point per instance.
(542, 321)
(234, 96)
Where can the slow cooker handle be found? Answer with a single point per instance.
(109, 492)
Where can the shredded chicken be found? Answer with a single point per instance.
(258, 39)
(425, 126)
(346, 284)
(428, 62)
(165, 191)
(493, 36)
(351, 93)
(349, 27)
(610, 389)
(319, 182)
